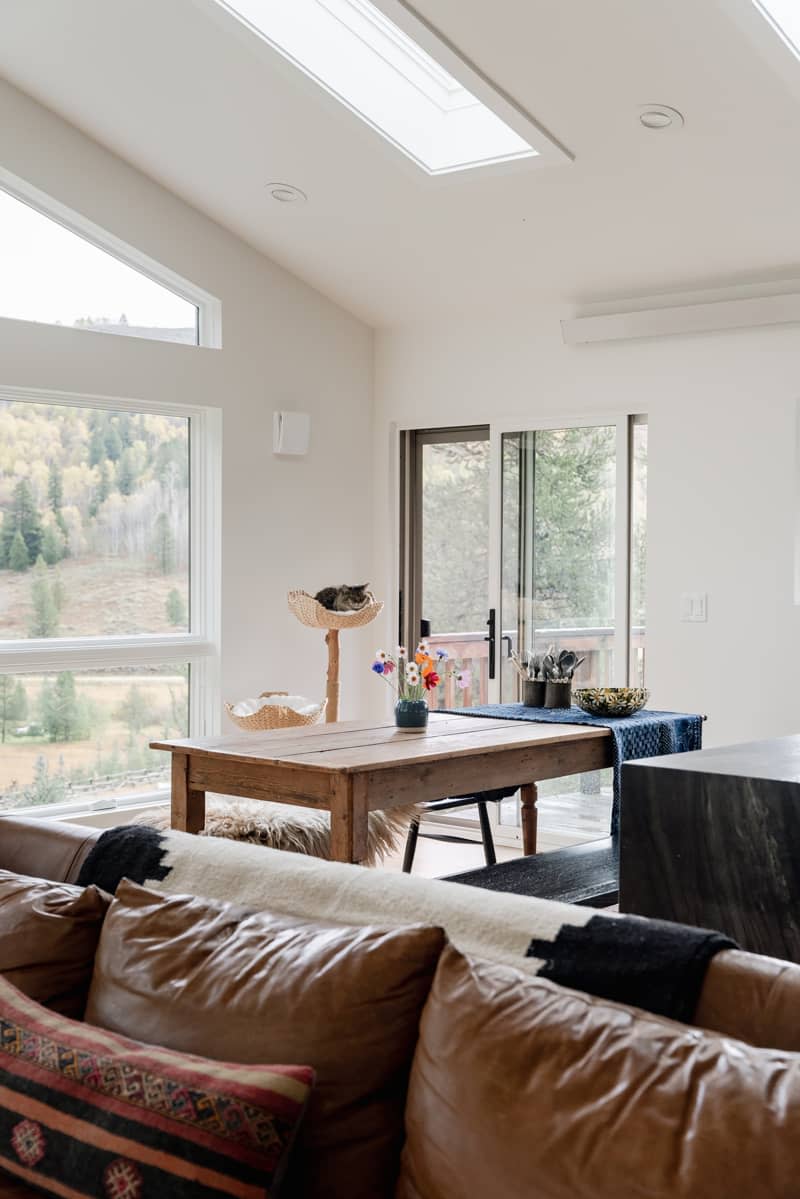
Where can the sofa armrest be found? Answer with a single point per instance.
(44, 848)
(753, 998)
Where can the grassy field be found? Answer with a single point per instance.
(110, 735)
(109, 598)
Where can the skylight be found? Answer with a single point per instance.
(784, 16)
(385, 77)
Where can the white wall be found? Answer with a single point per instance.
(722, 441)
(286, 523)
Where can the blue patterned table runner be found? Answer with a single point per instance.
(646, 734)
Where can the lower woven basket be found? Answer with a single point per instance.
(275, 716)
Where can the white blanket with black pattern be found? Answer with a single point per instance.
(646, 963)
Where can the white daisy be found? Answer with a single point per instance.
(381, 655)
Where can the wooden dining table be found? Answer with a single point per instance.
(353, 768)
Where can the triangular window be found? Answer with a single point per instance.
(55, 275)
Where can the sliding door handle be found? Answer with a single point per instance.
(492, 639)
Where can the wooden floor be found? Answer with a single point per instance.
(567, 819)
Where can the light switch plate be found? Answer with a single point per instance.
(694, 606)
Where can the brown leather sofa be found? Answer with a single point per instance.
(745, 995)
(471, 1083)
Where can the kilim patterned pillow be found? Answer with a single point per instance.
(88, 1113)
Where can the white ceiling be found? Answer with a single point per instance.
(215, 116)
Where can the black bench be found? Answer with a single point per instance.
(585, 874)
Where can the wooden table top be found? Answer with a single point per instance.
(351, 747)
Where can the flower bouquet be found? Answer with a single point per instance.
(413, 678)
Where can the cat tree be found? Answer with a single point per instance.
(311, 613)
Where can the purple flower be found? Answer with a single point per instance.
(441, 654)
(378, 667)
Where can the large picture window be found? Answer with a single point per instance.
(108, 605)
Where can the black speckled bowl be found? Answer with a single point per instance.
(611, 701)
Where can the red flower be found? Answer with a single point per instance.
(431, 680)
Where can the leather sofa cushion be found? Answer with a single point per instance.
(521, 1088)
(205, 977)
(48, 938)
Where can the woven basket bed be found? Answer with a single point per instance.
(311, 612)
(274, 716)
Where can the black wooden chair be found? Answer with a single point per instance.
(480, 801)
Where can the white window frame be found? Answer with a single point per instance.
(209, 308)
(201, 646)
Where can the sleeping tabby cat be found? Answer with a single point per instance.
(344, 598)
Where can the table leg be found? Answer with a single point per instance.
(528, 798)
(188, 807)
(349, 820)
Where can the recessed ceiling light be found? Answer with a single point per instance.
(286, 193)
(660, 116)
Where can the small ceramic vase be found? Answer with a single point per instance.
(411, 715)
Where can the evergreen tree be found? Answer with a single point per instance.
(44, 621)
(63, 715)
(164, 545)
(22, 517)
(126, 473)
(113, 443)
(52, 546)
(58, 590)
(97, 446)
(134, 711)
(64, 531)
(55, 487)
(13, 703)
(18, 558)
(102, 490)
(125, 423)
(46, 788)
(176, 608)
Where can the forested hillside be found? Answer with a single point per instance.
(94, 541)
(94, 511)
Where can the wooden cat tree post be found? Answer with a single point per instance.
(312, 614)
(333, 686)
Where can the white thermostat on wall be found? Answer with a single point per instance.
(291, 433)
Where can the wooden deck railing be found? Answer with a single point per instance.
(471, 652)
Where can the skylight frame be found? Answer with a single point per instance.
(543, 149)
(792, 43)
(770, 39)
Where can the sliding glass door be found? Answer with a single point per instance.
(447, 575)
(519, 539)
(563, 548)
